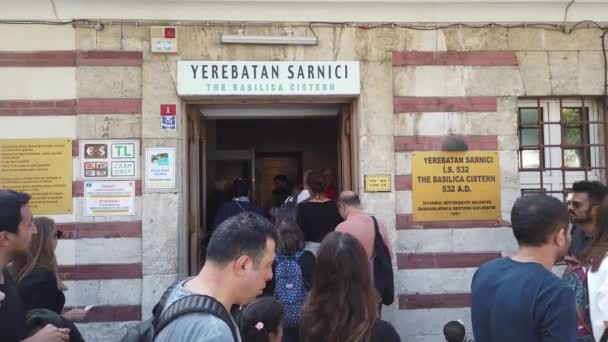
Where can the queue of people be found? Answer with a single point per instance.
(262, 283)
(264, 279)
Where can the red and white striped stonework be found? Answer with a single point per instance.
(436, 95)
(52, 94)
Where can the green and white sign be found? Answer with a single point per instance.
(109, 159)
(240, 78)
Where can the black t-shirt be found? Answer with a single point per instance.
(12, 312)
(39, 290)
(317, 219)
(383, 331)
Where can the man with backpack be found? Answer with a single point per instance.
(373, 236)
(238, 265)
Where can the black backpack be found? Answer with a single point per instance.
(147, 330)
(288, 211)
(383, 268)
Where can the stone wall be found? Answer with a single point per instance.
(417, 87)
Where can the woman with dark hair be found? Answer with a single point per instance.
(293, 270)
(597, 275)
(261, 321)
(319, 215)
(343, 305)
(37, 276)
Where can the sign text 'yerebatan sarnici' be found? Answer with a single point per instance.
(240, 78)
(454, 186)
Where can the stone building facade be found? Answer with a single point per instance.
(418, 87)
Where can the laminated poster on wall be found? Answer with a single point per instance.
(109, 198)
(160, 168)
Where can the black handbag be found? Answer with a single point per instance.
(383, 268)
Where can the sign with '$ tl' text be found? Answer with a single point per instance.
(109, 159)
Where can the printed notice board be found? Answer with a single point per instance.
(453, 186)
(108, 198)
(42, 168)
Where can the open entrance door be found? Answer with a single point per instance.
(196, 164)
(345, 176)
(257, 142)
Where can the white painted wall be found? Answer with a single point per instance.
(34, 37)
(310, 10)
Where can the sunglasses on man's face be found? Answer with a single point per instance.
(58, 234)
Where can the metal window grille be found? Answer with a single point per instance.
(561, 141)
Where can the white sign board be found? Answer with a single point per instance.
(109, 159)
(109, 198)
(160, 168)
(208, 78)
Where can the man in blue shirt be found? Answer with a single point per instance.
(518, 298)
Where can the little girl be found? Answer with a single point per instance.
(261, 321)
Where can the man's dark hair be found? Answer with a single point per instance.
(535, 217)
(594, 189)
(454, 331)
(11, 203)
(240, 188)
(281, 178)
(242, 234)
(349, 199)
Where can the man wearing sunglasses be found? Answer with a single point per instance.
(583, 204)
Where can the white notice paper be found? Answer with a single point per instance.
(160, 168)
(109, 198)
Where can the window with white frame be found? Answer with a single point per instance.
(561, 141)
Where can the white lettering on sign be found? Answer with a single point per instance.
(268, 78)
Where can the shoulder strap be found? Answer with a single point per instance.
(195, 304)
(376, 234)
(158, 308)
(376, 226)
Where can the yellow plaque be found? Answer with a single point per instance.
(42, 168)
(377, 183)
(453, 186)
